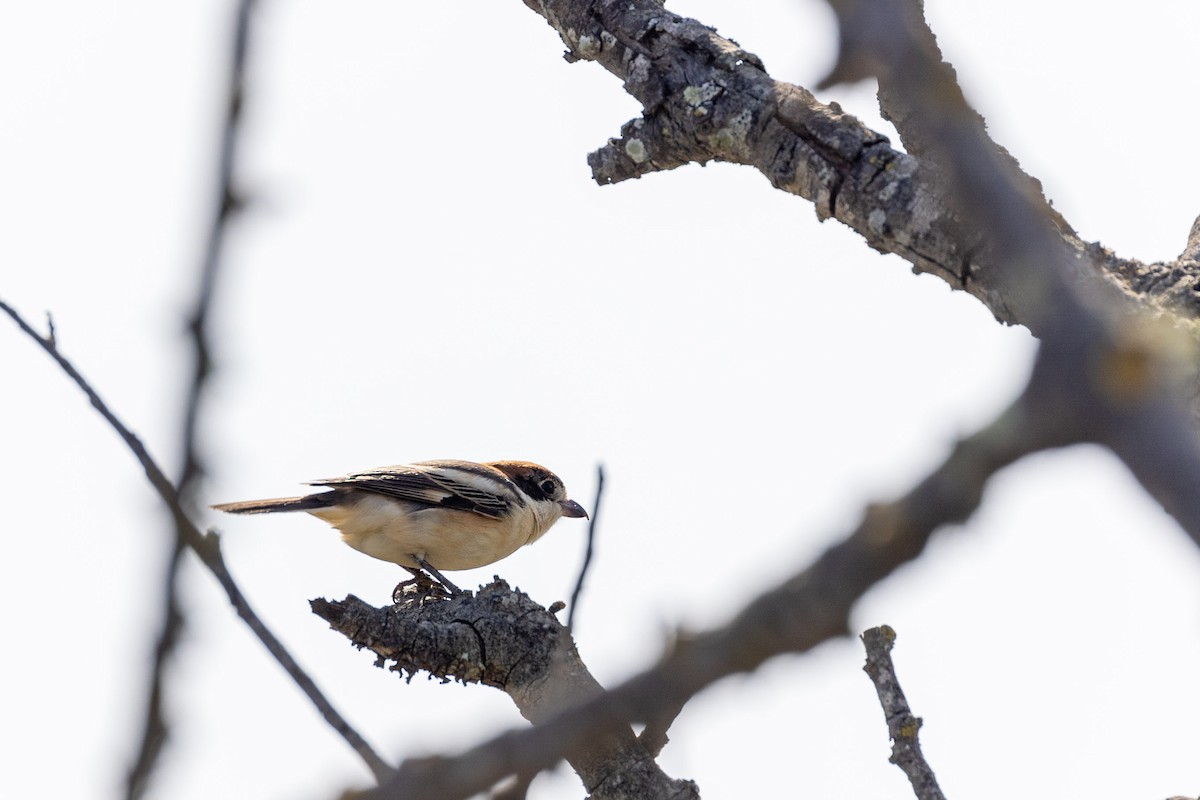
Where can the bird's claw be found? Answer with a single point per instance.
(419, 590)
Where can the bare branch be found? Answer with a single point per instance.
(902, 725)
(587, 553)
(705, 98)
(154, 729)
(208, 548)
(502, 638)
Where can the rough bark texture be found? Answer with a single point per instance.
(903, 725)
(704, 98)
(502, 638)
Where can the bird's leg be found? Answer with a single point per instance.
(425, 565)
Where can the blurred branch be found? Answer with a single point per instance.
(228, 203)
(1126, 381)
(154, 729)
(587, 553)
(654, 736)
(705, 98)
(502, 638)
(516, 789)
(902, 725)
(208, 548)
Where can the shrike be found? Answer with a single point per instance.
(435, 515)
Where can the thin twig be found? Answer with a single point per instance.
(587, 553)
(154, 729)
(208, 548)
(902, 725)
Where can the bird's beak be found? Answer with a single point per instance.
(572, 509)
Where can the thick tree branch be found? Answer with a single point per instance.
(903, 727)
(502, 638)
(208, 548)
(705, 98)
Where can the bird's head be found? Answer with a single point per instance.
(542, 485)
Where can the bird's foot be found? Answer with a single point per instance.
(419, 590)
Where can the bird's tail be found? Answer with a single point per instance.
(305, 503)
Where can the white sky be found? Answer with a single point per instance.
(427, 271)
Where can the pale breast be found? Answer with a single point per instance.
(449, 539)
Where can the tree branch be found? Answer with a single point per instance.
(1128, 380)
(208, 548)
(902, 725)
(705, 98)
(502, 638)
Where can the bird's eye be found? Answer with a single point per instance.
(548, 487)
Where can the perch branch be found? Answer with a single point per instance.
(502, 638)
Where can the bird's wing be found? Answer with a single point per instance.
(463, 485)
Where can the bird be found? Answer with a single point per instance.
(436, 515)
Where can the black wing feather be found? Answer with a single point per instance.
(430, 485)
